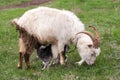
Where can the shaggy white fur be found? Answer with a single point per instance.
(51, 26)
(50, 23)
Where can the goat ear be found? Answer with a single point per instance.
(90, 45)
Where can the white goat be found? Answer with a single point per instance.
(57, 27)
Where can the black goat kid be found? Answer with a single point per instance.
(45, 54)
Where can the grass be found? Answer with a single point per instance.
(104, 14)
(10, 2)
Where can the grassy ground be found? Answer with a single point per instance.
(10, 2)
(104, 14)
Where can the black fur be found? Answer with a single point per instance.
(45, 54)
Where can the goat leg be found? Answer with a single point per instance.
(80, 62)
(20, 60)
(62, 58)
(26, 57)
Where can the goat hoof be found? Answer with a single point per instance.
(19, 67)
(44, 66)
(62, 64)
(78, 63)
(28, 67)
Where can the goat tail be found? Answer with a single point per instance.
(14, 22)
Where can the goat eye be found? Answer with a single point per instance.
(90, 45)
(93, 54)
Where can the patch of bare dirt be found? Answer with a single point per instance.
(31, 3)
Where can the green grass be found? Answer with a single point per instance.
(10, 2)
(104, 14)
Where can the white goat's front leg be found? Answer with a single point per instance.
(54, 51)
(80, 62)
(62, 59)
(62, 53)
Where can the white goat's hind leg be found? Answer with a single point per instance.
(22, 51)
(80, 62)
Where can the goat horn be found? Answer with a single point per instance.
(97, 37)
(91, 36)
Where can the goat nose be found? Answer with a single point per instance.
(91, 63)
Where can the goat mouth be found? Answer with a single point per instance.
(90, 63)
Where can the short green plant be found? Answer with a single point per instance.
(104, 14)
